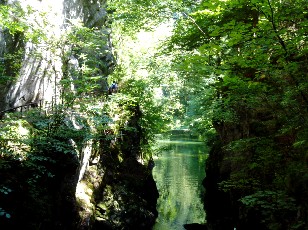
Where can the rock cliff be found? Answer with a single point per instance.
(40, 52)
(59, 178)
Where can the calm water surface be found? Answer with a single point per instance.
(178, 172)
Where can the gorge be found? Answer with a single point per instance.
(230, 76)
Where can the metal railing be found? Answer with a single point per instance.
(23, 108)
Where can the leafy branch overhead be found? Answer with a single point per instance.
(245, 63)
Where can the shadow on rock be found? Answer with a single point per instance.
(195, 226)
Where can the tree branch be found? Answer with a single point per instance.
(281, 42)
(193, 20)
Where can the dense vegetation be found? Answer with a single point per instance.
(243, 72)
(235, 72)
(247, 62)
(42, 149)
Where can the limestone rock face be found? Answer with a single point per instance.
(41, 63)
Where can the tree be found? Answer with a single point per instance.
(252, 54)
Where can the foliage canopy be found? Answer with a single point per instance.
(233, 71)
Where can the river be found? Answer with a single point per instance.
(178, 173)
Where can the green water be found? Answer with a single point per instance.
(178, 173)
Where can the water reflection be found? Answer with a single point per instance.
(178, 173)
